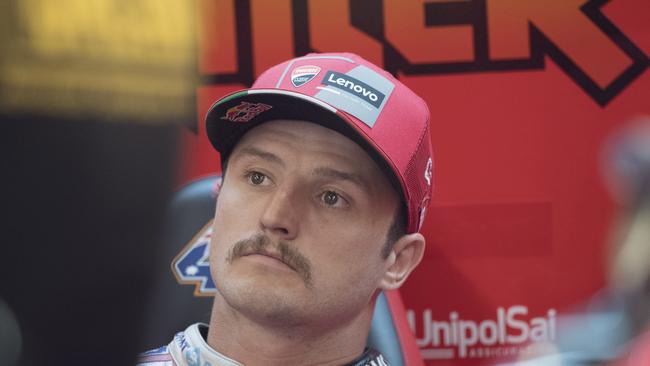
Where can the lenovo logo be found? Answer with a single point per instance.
(355, 87)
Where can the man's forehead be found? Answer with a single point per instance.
(338, 153)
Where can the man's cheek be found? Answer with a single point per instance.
(238, 199)
(233, 205)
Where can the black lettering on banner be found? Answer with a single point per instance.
(368, 16)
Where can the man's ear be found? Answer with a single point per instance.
(407, 252)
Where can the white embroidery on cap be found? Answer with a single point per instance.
(428, 171)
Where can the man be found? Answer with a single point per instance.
(327, 176)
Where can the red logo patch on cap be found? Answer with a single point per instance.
(245, 111)
(303, 74)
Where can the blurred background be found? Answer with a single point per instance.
(92, 97)
(538, 230)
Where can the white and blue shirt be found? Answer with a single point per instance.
(189, 348)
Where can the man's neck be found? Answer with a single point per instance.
(251, 343)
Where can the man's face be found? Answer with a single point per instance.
(300, 223)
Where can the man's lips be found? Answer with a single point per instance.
(274, 255)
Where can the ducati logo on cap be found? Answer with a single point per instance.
(245, 111)
(303, 74)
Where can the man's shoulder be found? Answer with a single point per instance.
(170, 354)
(156, 357)
(186, 348)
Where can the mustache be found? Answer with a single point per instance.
(260, 244)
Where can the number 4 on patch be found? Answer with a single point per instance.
(192, 265)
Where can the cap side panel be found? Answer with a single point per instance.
(284, 73)
(419, 182)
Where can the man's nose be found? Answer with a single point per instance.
(280, 217)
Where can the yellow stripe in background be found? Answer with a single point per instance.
(134, 59)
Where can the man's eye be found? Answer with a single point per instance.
(256, 178)
(331, 198)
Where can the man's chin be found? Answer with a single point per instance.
(265, 299)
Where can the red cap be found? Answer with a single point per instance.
(348, 94)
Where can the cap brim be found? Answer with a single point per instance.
(224, 133)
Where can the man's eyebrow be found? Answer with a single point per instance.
(253, 151)
(340, 175)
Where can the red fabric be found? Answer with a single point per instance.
(410, 350)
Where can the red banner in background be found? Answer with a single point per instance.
(522, 96)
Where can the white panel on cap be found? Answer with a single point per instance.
(357, 92)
